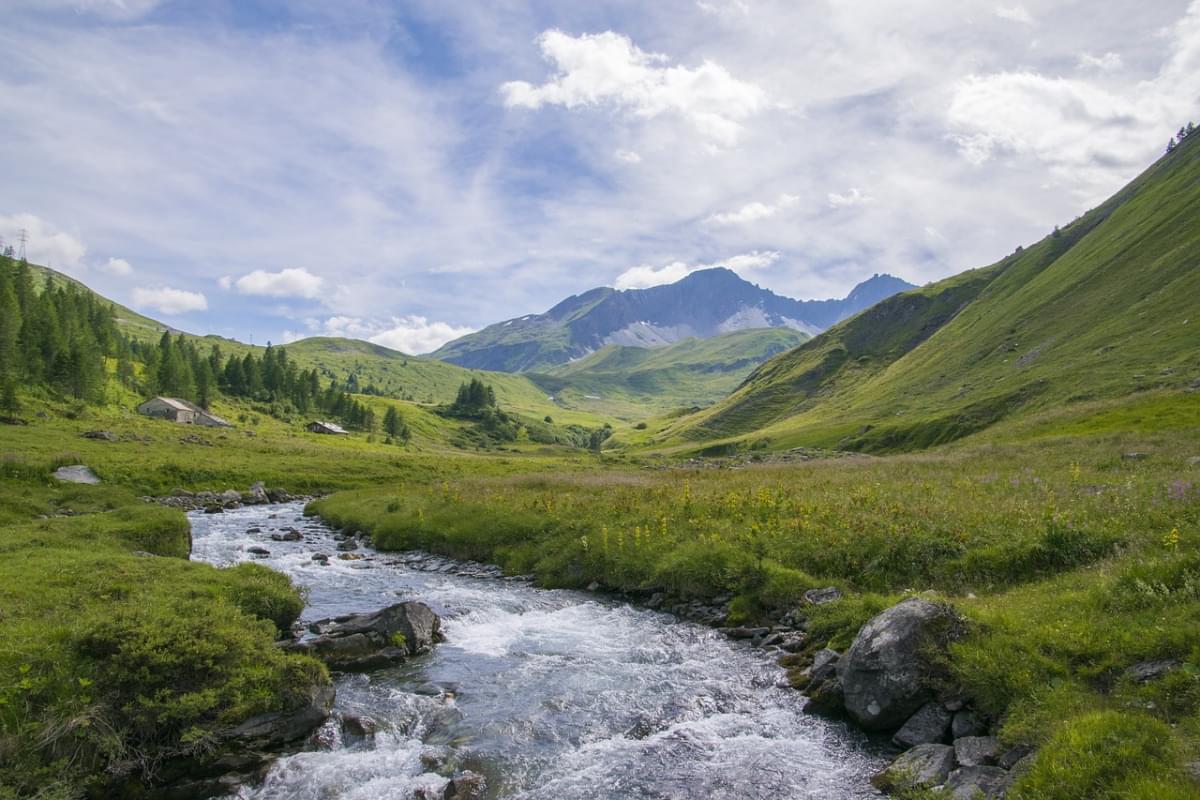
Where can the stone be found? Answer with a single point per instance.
(793, 642)
(974, 783)
(1134, 456)
(261, 552)
(278, 728)
(288, 535)
(923, 767)
(593, 586)
(347, 545)
(967, 723)
(1194, 461)
(819, 597)
(885, 673)
(365, 642)
(77, 473)
(359, 725)
(320, 558)
(930, 725)
(466, 785)
(102, 436)
(745, 633)
(826, 698)
(1146, 671)
(1013, 756)
(824, 665)
(977, 751)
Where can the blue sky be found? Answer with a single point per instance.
(409, 171)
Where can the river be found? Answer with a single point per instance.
(552, 695)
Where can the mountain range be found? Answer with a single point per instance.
(703, 304)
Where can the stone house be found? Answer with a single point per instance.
(180, 411)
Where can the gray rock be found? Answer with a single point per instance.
(977, 751)
(466, 785)
(102, 436)
(77, 473)
(745, 633)
(826, 697)
(923, 767)
(361, 726)
(930, 725)
(824, 665)
(1134, 456)
(1014, 755)
(258, 494)
(364, 642)
(973, 783)
(1194, 461)
(967, 723)
(278, 728)
(1146, 671)
(793, 642)
(819, 597)
(885, 672)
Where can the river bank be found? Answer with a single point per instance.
(547, 693)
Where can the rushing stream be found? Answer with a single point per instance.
(550, 694)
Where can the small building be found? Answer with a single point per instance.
(327, 427)
(180, 411)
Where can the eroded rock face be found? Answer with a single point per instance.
(885, 673)
(364, 642)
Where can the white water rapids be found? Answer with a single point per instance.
(552, 695)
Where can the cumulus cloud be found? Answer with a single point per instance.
(645, 276)
(1109, 62)
(45, 243)
(753, 212)
(225, 282)
(1016, 13)
(117, 266)
(724, 8)
(413, 334)
(608, 69)
(853, 197)
(628, 156)
(290, 282)
(169, 301)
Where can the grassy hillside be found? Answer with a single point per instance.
(630, 382)
(1106, 307)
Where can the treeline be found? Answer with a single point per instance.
(176, 367)
(57, 337)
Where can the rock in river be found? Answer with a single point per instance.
(363, 642)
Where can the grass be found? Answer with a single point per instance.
(117, 654)
(1071, 562)
(1103, 308)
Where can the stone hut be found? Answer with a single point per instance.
(327, 428)
(180, 411)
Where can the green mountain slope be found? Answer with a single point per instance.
(1108, 306)
(630, 382)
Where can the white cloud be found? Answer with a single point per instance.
(45, 244)
(609, 69)
(117, 266)
(753, 212)
(1109, 62)
(628, 156)
(723, 8)
(1016, 13)
(225, 282)
(290, 282)
(853, 197)
(169, 301)
(412, 334)
(645, 276)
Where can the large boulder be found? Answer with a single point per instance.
(923, 767)
(77, 473)
(885, 673)
(364, 642)
(977, 751)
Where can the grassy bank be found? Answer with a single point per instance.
(1074, 559)
(117, 654)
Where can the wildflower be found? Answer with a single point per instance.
(1171, 540)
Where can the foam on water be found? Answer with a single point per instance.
(553, 695)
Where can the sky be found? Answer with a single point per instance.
(409, 171)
